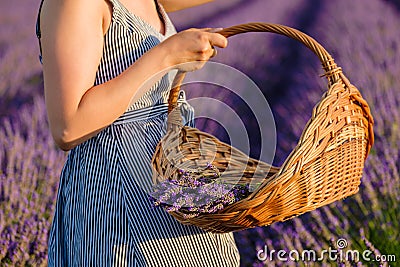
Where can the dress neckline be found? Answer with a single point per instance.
(161, 13)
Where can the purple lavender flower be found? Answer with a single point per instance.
(194, 192)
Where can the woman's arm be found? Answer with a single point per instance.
(175, 5)
(72, 42)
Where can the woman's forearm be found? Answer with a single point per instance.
(175, 5)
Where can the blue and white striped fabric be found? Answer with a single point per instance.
(103, 215)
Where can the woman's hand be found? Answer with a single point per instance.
(189, 50)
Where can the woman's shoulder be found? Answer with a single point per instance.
(77, 10)
(90, 9)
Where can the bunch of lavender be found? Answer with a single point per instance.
(197, 191)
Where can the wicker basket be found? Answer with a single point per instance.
(325, 166)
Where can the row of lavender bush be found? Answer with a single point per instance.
(362, 37)
(29, 163)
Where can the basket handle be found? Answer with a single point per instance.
(332, 71)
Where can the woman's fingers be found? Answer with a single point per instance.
(217, 39)
(210, 35)
(194, 46)
(214, 40)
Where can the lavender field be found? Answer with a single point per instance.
(363, 37)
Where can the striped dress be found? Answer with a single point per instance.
(103, 215)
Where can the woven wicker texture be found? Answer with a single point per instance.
(325, 166)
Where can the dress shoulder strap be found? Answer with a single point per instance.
(38, 33)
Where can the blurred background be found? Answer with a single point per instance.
(362, 35)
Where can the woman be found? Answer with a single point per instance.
(105, 106)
